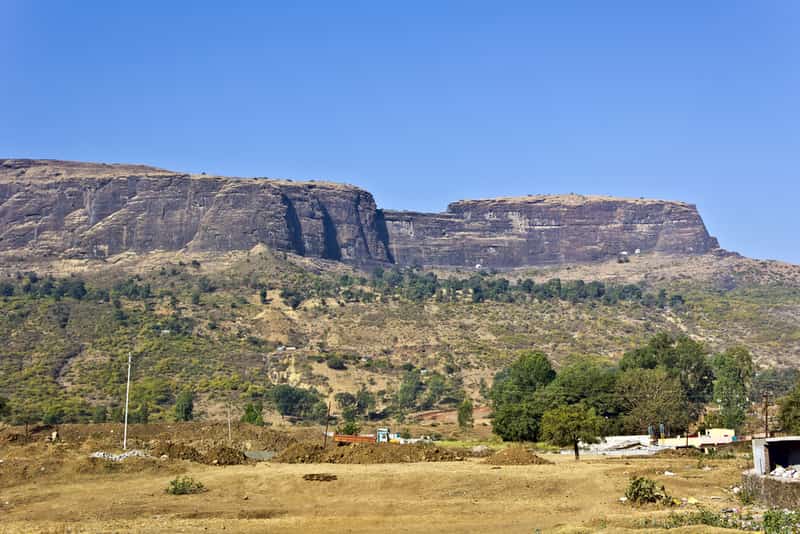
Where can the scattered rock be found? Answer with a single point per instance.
(133, 453)
(481, 451)
(320, 477)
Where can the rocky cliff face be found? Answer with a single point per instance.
(79, 210)
(540, 230)
(94, 210)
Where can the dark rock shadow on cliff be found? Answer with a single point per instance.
(332, 250)
(383, 233)
(293, 226)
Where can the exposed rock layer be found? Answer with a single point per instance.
(539, 230)
(78, 209)
(95, 210)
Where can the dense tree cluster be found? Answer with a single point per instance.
(668, 381)
(418, 286)
(33, 285)
(296, 402)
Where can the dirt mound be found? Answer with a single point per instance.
(224, 456)
(274, 440)
(390, 453)
(176, 451)
(683, 452)
(366, 453)
(515, 456)
(302, 453)
(97, 466)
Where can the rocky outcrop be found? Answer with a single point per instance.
(541, 230)
(74, 209)
(79, 210)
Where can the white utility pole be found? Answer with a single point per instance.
(127, 396)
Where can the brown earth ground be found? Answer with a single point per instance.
(56, 488)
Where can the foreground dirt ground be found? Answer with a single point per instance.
(466, 496)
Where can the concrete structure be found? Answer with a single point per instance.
(775, 477)
(711, 438)
(774, 452)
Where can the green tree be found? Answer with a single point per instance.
(571, 424)
(651, 397)
(252, 414)
(531, 371)
(517, 421)
(297, 402)
(99, 414)
(789, 415)
(350, 428)
(25, 414)
(365, 401)
(680, 357)
(409, 388)
(733, 372)
(465, 410)
(435, 388)
(184, 406)
(53, 415)
(348, 404)
(336, 362)
(589, 381)
(517, 402)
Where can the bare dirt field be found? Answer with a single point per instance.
(56, 488)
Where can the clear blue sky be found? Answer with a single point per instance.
(428, 102)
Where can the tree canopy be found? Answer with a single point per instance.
(569, 424)
(733, 377)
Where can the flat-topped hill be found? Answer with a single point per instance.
(96, 210)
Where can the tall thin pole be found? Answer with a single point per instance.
(766, 415)
(127, 396)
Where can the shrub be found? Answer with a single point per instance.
(781, 522)
(350, 428)
(184, 486)
(336, 362)
(643, 490)
(252, 414)
(706, 517)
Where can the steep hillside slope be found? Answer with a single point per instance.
(216, 323)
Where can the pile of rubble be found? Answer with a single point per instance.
(793, 471)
